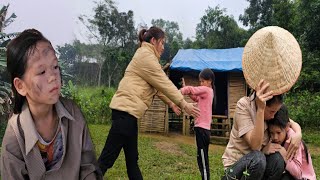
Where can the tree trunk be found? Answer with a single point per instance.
(99, 75)
(109, 80)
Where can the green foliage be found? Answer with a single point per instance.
(5, 88)
(94, 103)
(309, 77)
(218, 30)
(174, 40)
(308, 20)
(304, 108)
(3, 126)
(112, 30)
(261, 13)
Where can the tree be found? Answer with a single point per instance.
(114, 31)
(307, 31)
(261, 13)
(67, 53)
(218, 30)
(5, 88)
(187, 44)
(173, 37)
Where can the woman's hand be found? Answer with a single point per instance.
(192, 110)
(175, 108)
(261, 95)
(271, 148)
(283, 153)
(294, 143)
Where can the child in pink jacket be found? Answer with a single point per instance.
(300, 167)
(203, 95)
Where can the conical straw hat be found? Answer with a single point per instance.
(272, 54)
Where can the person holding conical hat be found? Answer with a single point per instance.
(271, 65)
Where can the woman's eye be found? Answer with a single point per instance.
(56, 67)
(42, 72)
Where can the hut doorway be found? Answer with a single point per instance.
(221, 85)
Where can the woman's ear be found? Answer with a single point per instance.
(20, 86)
(153, 41)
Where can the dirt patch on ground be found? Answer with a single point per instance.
(175, 139)
(169, 147)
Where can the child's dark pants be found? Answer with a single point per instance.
(203, 141)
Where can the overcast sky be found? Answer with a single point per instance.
(58, 21)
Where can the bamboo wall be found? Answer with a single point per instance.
(154, 119)
(236, 89)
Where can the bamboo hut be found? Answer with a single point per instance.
(230, 87)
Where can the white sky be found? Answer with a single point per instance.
(58, 19)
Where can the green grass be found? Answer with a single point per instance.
(155, 162)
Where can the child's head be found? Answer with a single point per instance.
(207, 78)
(34, 70)
(279, 125)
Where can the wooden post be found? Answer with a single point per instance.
(184, 124)
(188, 125)
(166, 120)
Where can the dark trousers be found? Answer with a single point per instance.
(275, 167)
(255, 165)
(203, 141)
(123, 134)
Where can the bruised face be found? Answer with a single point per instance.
(277, 134)
(271, 110)
(41, 83)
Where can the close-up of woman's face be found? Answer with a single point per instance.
(159, 45)
(271, 110)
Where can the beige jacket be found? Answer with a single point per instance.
(21, 158)
(143, 79)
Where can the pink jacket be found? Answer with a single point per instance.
(298, 167)
(203, 96)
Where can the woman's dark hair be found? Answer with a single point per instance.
(207, 74)
(152, 32)
(275, 99)
(281, 120)
(18, 51)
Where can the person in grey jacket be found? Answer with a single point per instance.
(47, 137)
(143, 79)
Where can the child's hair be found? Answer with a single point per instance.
(281, 120)
(207, 74)
(18, 51)
(152, 32)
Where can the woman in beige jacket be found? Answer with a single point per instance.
(143, 79)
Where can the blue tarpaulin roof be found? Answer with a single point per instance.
(219, 60)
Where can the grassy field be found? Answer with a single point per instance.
(174, 156)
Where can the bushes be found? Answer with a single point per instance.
(304, 108)
(94, 103)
